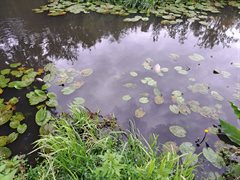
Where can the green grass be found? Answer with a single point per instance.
(88, 148)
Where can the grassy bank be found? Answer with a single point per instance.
(81, 147)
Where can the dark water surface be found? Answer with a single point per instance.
(112, 49)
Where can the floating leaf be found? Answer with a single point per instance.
(5, 71)
(147, 64)
(178, 131)
(133, 74)
(14, 65)
(225, 74)
(158, 99)
(217, 96)
(52, 103)
(3, 81)
(130, 85)
(144, 100)
(14, 124)
(196, 57)
(37, 96)
(5, 116)
(18, 117)
(186, 148)
(232, 132)
(12, 137)
(170, 146)
(21, 128)
(1, 91)
(5, 152)
(3, 141)
(139, 113)
(46, 86)
(76, 9)
(199, 88)
(51, 95)
(79, 101)
(135, 19)
(42, 116)
(215, 159)
(126, 97)
(174, 56)
(16, 73)
(13, 101)
(86, 72)
(156, 92)
(174, 109)
(68, 90)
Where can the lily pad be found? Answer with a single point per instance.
(12, 137)
(52, 103)
(79, 101)
(196, 57)
(37, 96)
(22, 128)
(42, 116)
(3, 141)
(159, 100)
(139, 113)
(215, 159)
(4, 81)
(144, 100)
(126, 97)
(133, 74)
(16, 73)
(5, 152)
(174, 109)
(5, 71)
(130, 85)
(178, 131)
(217, 96)
(14, 65)
(86, 72)
(187, 147)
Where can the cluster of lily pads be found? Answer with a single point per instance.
(171, 12)
(180, 106)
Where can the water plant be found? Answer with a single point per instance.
(82, 147)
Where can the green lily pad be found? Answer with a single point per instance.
(187, 147)
(215, 159)
(5, 116)
(86, 72)
(139, 113)
(77, 8)
(12, 137)
(37, 96)
(5, 71)
(16, 73)
(199, 88)
(144, 100)
(178, 131)
(5, 152)
(135, 19)
(14, 124)
(133, 74)
(156, 91)
(217, 96)
(196, 57)
(68, 90)
(52, 103)
(78, 101)
(51, 95)
(42, 116)
(4, 81)
(14, 65)
(46, 86)
(130, 85)
(13, 101)
(22, 128)
(175, 109)
(18, 117)
(126, 97)
(3, 141)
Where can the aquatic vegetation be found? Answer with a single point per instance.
(178, 131)
(104, 152)
(171, 12)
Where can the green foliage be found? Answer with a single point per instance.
(12, 169)
(231, 131)
(86, 148)
(236, 110)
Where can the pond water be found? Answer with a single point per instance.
(113, 49)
